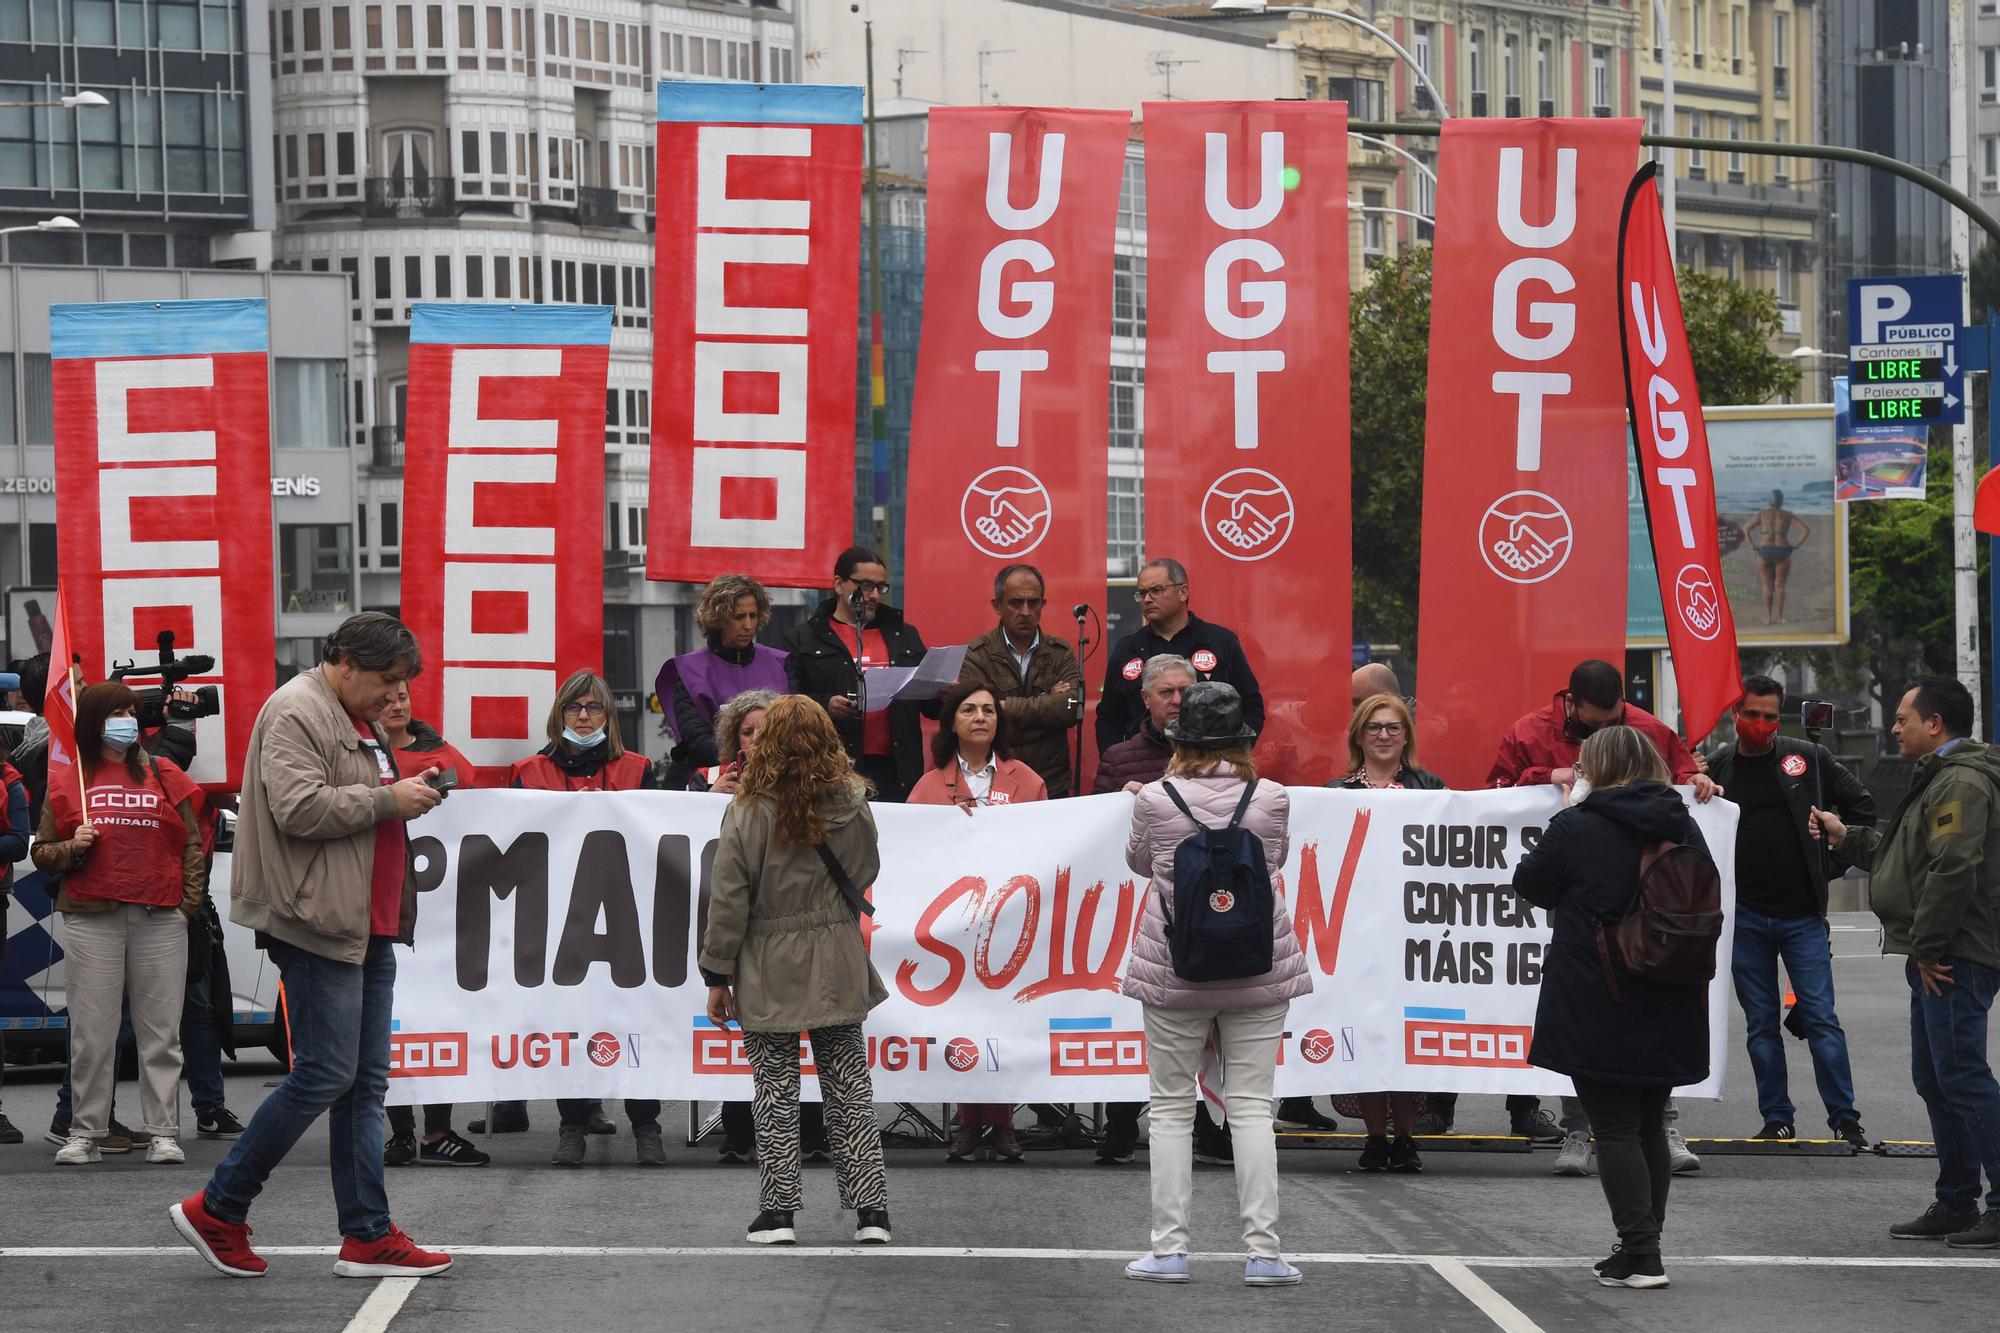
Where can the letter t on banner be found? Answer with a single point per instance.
(503, 482)
(1675, 475)
(758, 283)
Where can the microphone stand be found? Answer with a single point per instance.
(1082, 612)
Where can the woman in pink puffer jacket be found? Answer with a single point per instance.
(1210, 766)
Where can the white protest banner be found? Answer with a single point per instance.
(556, 938)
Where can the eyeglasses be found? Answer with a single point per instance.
(1144, 595)
(591, 709)
(1383, 728)
(869, 585)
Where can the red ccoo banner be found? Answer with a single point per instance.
(1524, 527)
(754, 334)
(503, 485)
(1675, 475)
(163, 478)
(1247, 361)
(1007, 459)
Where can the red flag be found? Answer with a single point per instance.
(59, 703)
(1986, 504)
(1675, 475)
(1247, 364)
(1524, 530)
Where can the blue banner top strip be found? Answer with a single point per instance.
(158, 328)
(760, 103)
(476, 324)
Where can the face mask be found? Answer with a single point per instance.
(1577, 729)
(1757, 731)
(120, 733)
(590, 742)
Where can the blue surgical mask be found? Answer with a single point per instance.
(120, 733)
(590, 742)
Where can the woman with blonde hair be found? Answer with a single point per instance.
(1211, 782)
(783, 954)
(1626, 1041)
(1382, 749)
(692, 688)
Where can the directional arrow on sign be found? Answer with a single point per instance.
(1951, 359)
(1951, 400)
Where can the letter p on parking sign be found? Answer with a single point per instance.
(756, 291)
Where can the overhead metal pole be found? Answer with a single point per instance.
(1964, 544)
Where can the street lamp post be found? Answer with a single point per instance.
(46, 224)
(1261, 7)
(69, 103)
(1413, 159)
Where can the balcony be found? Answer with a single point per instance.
(1545, 108)
(1513, 108)
(410, 197)
(1601, 111)
(598, 207)
(1479, 104)
(1781, 81)
(385, 448)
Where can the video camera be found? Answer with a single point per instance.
(155, 708)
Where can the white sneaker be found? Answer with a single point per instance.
(1680, 1157)
(165, 1151)
(77, 1151)
(1574, 1159)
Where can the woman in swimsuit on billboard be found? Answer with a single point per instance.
(1771, 533)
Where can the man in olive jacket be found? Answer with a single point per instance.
(1035, 679)
(1935, 883)
(321, 873)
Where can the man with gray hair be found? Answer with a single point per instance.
(1211, 651)
(1130, 765)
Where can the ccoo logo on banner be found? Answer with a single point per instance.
(163, 477)
(556, 938)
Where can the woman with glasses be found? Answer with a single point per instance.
(585, 753)
(1382, 747)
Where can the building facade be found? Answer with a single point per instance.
(500, 152)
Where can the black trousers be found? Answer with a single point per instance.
(1446, 1104)
(1630, 1126)
(575, 1111)
(739, 1125)
(437, 1119)
(889, 788)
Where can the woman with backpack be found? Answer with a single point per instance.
(1211, 835)
(1626, 1040)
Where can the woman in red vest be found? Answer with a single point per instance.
(975, 767)
(585, 753)
(128, 845)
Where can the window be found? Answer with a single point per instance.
(1374, 225)
(1545, 87)
(1698, 34)
(1733, 131)
(1784, 280)
(1127, 407)
(1312, 87)
(1476, 48)
(407, 154)
(1781, 167)
(1989, 162)
(316, 568)
(1736, 40)
(1600, 80)
(1989, 73)
(1420, 47)
(308, 409)
(1128, 296)
(1510, 66)
(1697, 157)
(1123, 531)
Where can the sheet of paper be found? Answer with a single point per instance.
(882, 686)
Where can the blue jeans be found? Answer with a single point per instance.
(201, 1050)
(340, 1066)
(1802, 942)
(1948, 1065)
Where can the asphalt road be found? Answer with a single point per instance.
(1479, 1241)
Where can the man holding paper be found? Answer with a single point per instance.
(851, 631)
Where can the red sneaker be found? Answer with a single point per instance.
(226, 1245)
(393, 1255)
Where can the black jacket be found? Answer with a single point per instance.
(1823, 779)
(1142, 759)
(1585, 869)
(820, 666)
(1412, 779)
(1121, 709)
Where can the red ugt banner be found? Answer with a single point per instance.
(503, 482)
(1011, 416)
(1524, 529)
(1675, 475)
(759, 263)
(1247, 358)
(163, 477)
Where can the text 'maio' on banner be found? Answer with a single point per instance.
(1011, 414)
(503, 485)
(1524, 521)
(1247, 394)
(1676, 478)
(758, 280)
(163, 477)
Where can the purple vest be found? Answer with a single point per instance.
(712, 682)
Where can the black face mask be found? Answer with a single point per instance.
(1577, 729)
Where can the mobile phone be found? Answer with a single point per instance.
(441, 779)
(1816, 714)
(742, 757)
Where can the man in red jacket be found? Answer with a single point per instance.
(1542, 747)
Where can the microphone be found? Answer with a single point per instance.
(857, 603)
(1080, 612)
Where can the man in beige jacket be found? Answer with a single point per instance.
(321, 873)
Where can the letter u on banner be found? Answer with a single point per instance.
(1247, 361)
(503, 499)
(1007, 436)
(1524, 529)
(757, 284)
(163, 481)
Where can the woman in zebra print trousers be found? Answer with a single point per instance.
(783, 954)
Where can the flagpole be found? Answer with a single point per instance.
(76, 688)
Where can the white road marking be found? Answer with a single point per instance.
(1492, 1304)
(45, 1252)
(382, 1305)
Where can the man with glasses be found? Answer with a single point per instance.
(1213, 652)
(853, 629)
(1036, 679)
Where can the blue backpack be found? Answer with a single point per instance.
(1219, 924)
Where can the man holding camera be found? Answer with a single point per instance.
(1036, 679)
(322, 875)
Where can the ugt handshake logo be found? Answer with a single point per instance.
(1525, 536)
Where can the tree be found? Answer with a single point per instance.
(1729, 329)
